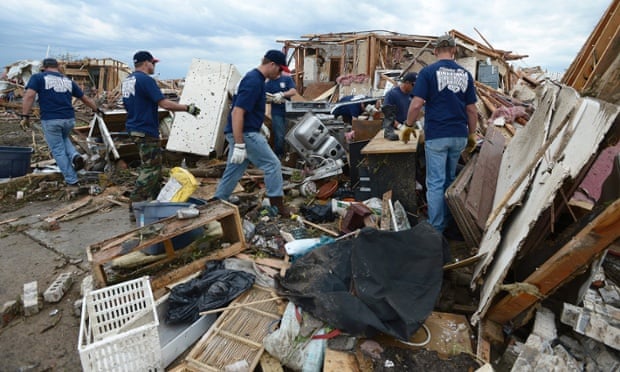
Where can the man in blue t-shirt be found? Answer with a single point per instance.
(351, 111)
(447, 92)
(280, 90)
(396, 105)
(246, 143)
(55, 92)
(142, 97)
(400, 97)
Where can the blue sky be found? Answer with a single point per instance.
(240, 31)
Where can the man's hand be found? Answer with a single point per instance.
(193, 109)
(278, 97)
(405, 133)
(472, 141)
(25, 122)
(264, 130)
(239, 154)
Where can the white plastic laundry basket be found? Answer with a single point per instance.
(118, 329)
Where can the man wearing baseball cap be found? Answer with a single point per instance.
(447, 92)
(245, 142)
(399, 97)
(55, 92)
(142, 97)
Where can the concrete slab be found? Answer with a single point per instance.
(27, 261)
(74, 236)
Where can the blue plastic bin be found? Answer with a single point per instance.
(14, 161)
(149, 212)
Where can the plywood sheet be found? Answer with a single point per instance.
(380, 145)
(483, 181)
(573, 147)
(210, 85)
(520, 161)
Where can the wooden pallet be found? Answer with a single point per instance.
(237, 334)
(102, 253)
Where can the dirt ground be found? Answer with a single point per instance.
(47, 341)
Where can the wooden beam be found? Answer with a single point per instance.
(564, 264)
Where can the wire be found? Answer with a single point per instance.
(423, 343)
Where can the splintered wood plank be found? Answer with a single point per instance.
(456, 198)
(70, 208)
(481, 189)
(588, 65)
(270, 364)
(483, 351)
(339, 361)
(237, 334)
(109, 249)
(564, 264)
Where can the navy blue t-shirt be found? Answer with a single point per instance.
(140, 97)
(447, 88)
(250, 96)
(401, 100)
(55, 92)
(282, 84)
(352, 110)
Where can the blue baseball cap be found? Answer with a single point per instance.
(142, 56)
(278, 58)
(411, 77)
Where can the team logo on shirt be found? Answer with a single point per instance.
(455, 80)
(60, 84)
(129, 87)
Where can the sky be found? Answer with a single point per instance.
(238, 32)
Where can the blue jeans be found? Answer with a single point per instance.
(258, 153)
(278, 126)
(57, 132)
(442, 156)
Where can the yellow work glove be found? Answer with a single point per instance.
(472, 141)
(25, 122)
(406, 133)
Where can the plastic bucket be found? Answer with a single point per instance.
(149, 212)
(14, 161)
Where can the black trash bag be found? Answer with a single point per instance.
(318, 213)
(381, 281)
(215, 287)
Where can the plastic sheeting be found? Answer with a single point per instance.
(382, 281)
(216, 287)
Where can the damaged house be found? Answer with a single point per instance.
(338, 286)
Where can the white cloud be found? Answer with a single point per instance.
(240, 31)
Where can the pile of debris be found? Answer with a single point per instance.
(358, 279)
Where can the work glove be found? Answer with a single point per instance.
(264, 130)
(25, 122)
(405, 133)
(472, 141)
(193, 109)
(371, 110)
(278, 97)
(239, 154)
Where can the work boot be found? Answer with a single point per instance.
(389, 114)
(277, 201)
